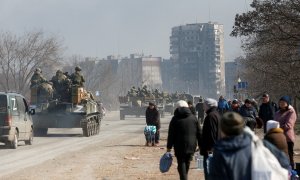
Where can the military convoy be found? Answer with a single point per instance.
(173, 98)
(136, 101)
(69, 106)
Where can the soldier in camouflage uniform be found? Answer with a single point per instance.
(37, 78)
(77, 78)
(59, 84)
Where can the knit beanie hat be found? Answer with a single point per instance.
(232, 124)
(181, 103)
(272, 124)
(209, 102)
(287, 99)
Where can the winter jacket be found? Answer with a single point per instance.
(280, 155)
(248, 112)
(287, 120)
(223, 105)
(153, 117)
(183, 132)
(232, 158)
(200, 109)
(193, 110)
(267, 112)
(211, 131)
(276, 137)
(236, 109)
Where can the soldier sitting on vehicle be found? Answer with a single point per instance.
(133, 92)
(67, 75)
(37, 78)
(59, 83)
(77, 78)
(45, 92)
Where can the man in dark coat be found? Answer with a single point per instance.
(183, 135)
(232, 154)
(211, 131)
(267, 110)
(200, 109)
(192, 108)
(153, 119)
(249, 113)
(235, 106)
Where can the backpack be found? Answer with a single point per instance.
(265, 166)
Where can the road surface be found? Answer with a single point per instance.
(118, 152)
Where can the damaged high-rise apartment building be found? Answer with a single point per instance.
(197, 55)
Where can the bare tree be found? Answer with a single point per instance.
(21, 55)
(99, 76)
(271, 44)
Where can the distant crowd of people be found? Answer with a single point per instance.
(219, 130)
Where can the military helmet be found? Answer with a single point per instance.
(77, 68)
(38, 70)
(59, 71)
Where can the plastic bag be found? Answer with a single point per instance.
(265, 166)
(165, 162)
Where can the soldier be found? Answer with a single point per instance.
(59, 83)
(77, 78)
(45, 92)
(133, 92)
(37, 78)
(67, 74)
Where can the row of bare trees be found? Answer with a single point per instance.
(99, 76)
(271, 42)
(21, 55)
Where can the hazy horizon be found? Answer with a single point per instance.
(118, 27)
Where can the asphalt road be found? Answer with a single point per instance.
(64, 141)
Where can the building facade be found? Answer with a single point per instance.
(231, 79)
(140, 70)
(198, 52)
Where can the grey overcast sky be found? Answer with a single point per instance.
(104, 27)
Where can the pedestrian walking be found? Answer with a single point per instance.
(153, 119)
(200, 110)
(248, 112)
(192, 108)
(235, 106)
(222, 105)
(276, 136)
(232, 155)
(267, 110)
(286, 116)
(211, 131)
(183, 135)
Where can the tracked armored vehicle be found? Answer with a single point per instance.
(136, 106)
(77, 109)
(170, 104)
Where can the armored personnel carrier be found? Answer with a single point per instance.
(173, 98)
(136, 106)
(77, 109)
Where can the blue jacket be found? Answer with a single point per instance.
(223, 105)
(231, 159)
(248, 111)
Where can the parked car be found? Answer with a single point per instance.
(15, 120)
